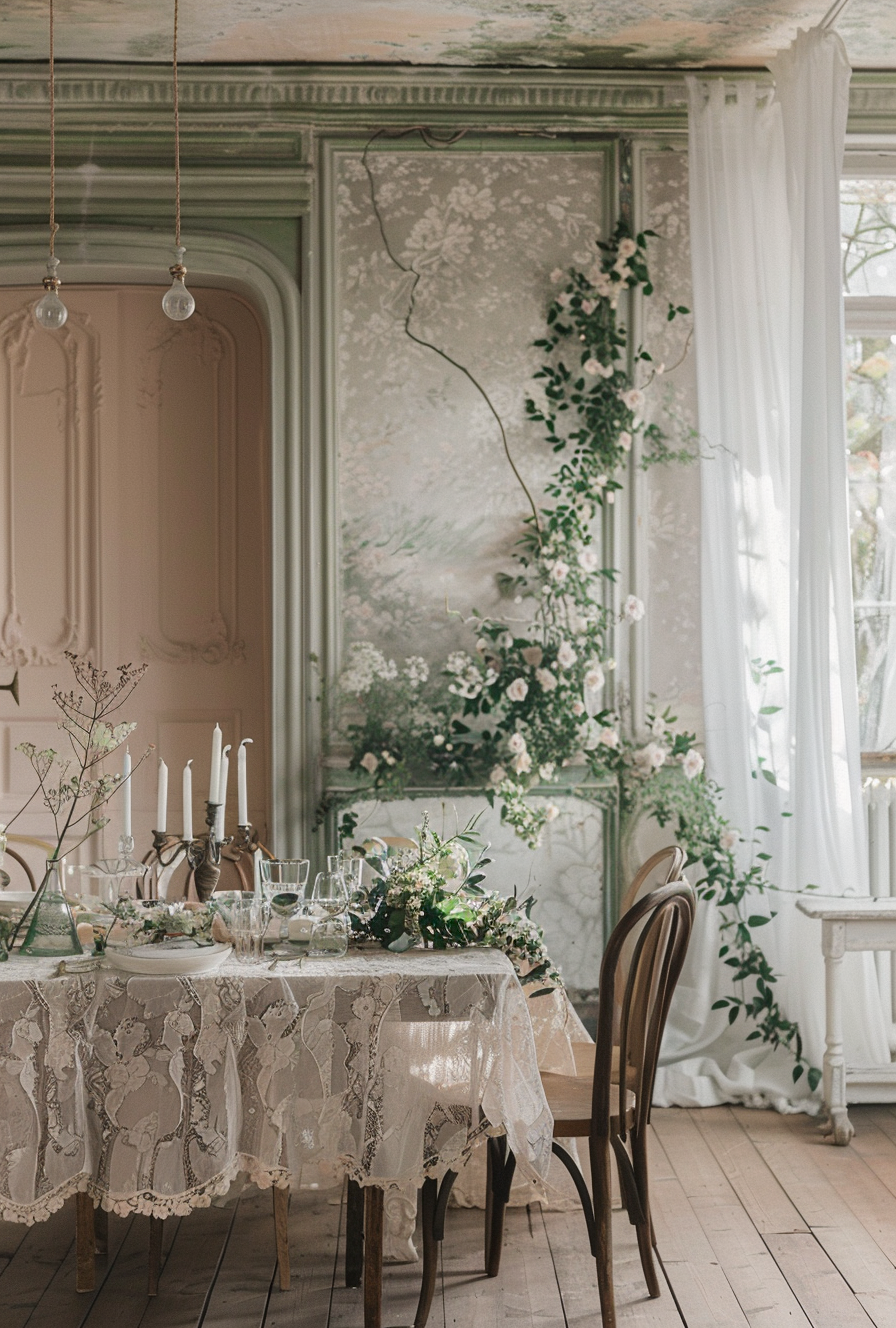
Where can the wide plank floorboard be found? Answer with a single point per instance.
(759, 1223)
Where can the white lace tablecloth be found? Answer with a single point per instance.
(154, 1093)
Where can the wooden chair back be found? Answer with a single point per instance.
(667, 864)
(660, 924)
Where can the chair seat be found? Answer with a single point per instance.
(570, 1102)
(584, 1058)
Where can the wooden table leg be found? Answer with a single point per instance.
(156, 1228)
(373, 1257)
(833, 935)
(354, 1234)
(85, 1267)
(281, 1232)
(101, 1231)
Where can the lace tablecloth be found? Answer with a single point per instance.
(153, 1093)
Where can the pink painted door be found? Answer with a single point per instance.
(134, 526)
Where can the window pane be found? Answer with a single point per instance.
(871, 433)
(868, 222)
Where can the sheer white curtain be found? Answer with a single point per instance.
(765, 235)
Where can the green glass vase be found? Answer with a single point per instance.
(51, 927)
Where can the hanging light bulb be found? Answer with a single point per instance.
(49, 311)
(177, 302)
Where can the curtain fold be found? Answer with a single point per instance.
(781, 709)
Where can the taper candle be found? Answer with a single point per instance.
(215, 777)
(162, 800)
(242, 795)
(222, 793)
(126, 795)
(188, 802)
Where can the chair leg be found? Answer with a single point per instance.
(601, 1187)
(433, 1205)
(354, 1234)
(85, 1269)
(156, 1228)
(644, 1227)
(281, 1234)
(500, 1166)
(373, 1256)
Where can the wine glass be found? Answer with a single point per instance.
(285, 883)
(329, 902)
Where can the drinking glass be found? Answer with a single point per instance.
(248, 923)
(329, 902)
(284, 884)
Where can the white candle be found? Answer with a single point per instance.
(162, 800)
(217, 739)
(126, 803)
(188, 802)
(242, 796)
(222, 793)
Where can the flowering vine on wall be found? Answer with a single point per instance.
(530, 696)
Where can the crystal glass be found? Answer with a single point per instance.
(51, 927)
(249, 918)
(329, 904)
(284, 884)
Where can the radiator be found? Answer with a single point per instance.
(879, 797)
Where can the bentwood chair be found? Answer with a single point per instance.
(647, 947)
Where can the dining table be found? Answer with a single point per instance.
(155, 1093)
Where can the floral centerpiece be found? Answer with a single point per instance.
(432, 894)
(153, 924)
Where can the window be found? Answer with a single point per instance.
(868, 210)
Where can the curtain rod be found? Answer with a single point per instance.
(834, 13)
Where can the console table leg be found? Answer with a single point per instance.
(834, 1073)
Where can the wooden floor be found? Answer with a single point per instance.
(758, 1222)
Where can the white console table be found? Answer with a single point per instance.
(850, 924)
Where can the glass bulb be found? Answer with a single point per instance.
(50, 312)
(177, 302)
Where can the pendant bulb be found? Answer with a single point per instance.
(177, 302)
(50, 312)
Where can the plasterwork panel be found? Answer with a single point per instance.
(49, 392)
(430, 510)
(672, 514)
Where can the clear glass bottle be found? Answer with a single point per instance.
(51, 926)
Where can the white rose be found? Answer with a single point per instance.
(566, 656)
(692, 763)
(564, 299)
(625, 440)
(551, 812)
(518, 690)
(651, 757)
(627, 247)
(557, 275)
(594, 678)
(595, 369)
(516, 742)
(369, 762)
(658, 727)
(533, 655)
(634, 399)
(609, 738)
(577, 708)
(633, 609)
(588, 306)
(546, 771)
(728, 840)
(522, 764)
(560, 571)
(438, 739)
(547, 679)
(588, 560)
(498, 775)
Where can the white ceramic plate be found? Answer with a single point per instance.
(177, 963)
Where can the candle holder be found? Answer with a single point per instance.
(204, 855)
(108, 875)
(245, 844)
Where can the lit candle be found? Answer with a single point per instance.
(188, 802)
(126, 804)
(162, 801)
(242, 796)
(214, 779)
(222, 793)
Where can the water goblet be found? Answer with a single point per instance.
(284, 885)
(329, 902)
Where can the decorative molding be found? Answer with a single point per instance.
(75, 561)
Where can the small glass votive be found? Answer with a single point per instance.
(329, 937)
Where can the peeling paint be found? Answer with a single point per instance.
(571, 33)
